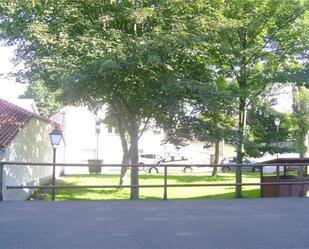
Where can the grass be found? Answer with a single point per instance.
(153, 193)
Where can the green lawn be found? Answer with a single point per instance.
(154, 193)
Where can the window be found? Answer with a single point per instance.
(156, 132)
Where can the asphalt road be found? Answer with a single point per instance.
(229, 224)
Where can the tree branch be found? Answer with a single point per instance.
(270, 38)
(118, 109)
(144, 128)
(255, 95)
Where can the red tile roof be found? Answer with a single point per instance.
(12, 120)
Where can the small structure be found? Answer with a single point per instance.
(24, 137)
(298, 174)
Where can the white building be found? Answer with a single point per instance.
(78, 126)
(24, 137)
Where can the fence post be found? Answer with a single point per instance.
(165, 183)
(1, 181)
(261, 168)
(238, 176)
(302, 186)
(54, 174)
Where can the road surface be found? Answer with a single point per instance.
(215, 224)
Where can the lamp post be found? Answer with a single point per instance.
(277, 123)
(97, 131)
(55, 138)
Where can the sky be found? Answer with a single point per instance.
(10, 90)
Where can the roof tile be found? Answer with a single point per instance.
(12, 120)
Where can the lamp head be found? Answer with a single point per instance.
(55, 137)
(277, 121)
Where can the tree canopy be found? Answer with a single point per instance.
(47, 101)
(128, 54)
(160, 58)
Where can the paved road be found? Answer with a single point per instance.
(214, 224)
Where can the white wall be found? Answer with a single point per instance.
(32, 144)
(81, 142)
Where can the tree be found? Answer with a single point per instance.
(249, 44)
(143, 58)
(111, 119)
(47, 101)
(120, 53)
(214, 127)
(262, 133)
(252, 43)
(207, 117)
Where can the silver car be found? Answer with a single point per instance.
(233, 160)
(173, 160)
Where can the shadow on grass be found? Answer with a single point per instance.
(92, 194)
(199, 178)
(124, 193)
(254, 193)
(175, 177)
(118, 194)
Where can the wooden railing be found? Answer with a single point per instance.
(303, 181)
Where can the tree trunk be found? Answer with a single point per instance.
(125, 157)
(125, 160)
(216, 161)
(134, 157)
(302, 145)
(240, 146)
(242, 113)
(124, 144)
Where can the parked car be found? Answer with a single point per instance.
(173, 160)
(233, 160)
(148, 159)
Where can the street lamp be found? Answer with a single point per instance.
(55, 138)
(277, 123)
(97, 131)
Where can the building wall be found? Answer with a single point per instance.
(78, 124)
(32, 144)
(81, 140)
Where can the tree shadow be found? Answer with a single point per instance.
(199, 178)
(124, 193)
(253, 193)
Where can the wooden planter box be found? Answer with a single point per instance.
(284, 190)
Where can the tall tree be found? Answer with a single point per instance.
(251, 43)
(120, 53)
